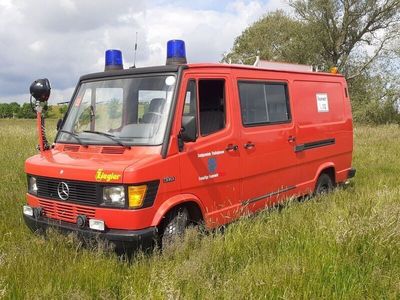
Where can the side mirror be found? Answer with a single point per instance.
(189, 129)
(40, 89)
(59, 124)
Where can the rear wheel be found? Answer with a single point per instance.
(324, 184)
(175, 224)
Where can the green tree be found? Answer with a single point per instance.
(276, 37)
(56, 111)
(26, 112)
(3, 110)
(114, 108)
(14, 108)
(62, 109)
(345, 28)
(6, 110)
(323, 33)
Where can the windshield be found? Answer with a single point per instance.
(130, 111)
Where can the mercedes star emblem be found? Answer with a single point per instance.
(63, 190)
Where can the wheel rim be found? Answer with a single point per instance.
(176, 227)
(324, 189)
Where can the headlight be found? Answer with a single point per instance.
(32, 185)
(114, 196)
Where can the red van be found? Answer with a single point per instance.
(144, 152)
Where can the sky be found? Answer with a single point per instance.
(65, 39)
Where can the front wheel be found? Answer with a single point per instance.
(175, 224)
(324, 185)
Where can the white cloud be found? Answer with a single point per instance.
(69, 6)
(36, 46)
(62, 40)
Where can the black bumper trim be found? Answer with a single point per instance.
(122, 239)
(351, 173)
(286, 189)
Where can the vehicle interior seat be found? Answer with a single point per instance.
(211, 116)
(153, 115)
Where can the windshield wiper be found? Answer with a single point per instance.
(110, 136)
(75, 136)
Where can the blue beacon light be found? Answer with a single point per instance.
(176, 53)
(113, 60)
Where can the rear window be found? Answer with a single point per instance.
(263, 103)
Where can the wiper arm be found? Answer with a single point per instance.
(75, 136)
(110, 136)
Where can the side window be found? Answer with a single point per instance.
(190, 99)
(212, 105)
(86, 111)
(263, 103)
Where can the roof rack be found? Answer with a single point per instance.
(270, 65)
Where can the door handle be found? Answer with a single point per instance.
(291, 139)
(249, 145)
(232, 147)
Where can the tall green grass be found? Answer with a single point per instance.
(345, 245)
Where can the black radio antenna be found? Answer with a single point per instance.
(134, 57)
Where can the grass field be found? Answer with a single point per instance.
(345, 245)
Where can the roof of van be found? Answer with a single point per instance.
(254, 68)
(175, 68)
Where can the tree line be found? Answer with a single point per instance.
(359, 37)
(24, 111)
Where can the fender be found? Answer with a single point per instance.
(174, 201)
(324, 166)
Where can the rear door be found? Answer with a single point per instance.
(210, 165)
(268, 160)
(324, 135)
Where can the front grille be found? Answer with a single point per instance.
(85, 193)
(65, 211)
(151, 193)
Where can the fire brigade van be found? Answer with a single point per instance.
(142, 153)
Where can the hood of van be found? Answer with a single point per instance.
(89, 164)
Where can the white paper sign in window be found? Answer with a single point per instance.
(322, 103)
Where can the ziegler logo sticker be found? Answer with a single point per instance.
(102, 176)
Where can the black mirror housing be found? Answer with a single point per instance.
(59, 124)
(189, 129)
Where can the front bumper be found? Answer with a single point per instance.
(122, 239)
(351, 173)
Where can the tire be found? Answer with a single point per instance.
(324, 185)
(175, 224)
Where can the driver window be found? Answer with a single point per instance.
(212, 105)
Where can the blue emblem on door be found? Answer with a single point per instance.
(212, 165)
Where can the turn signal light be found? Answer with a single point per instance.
(136, 195)
(333, 70)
